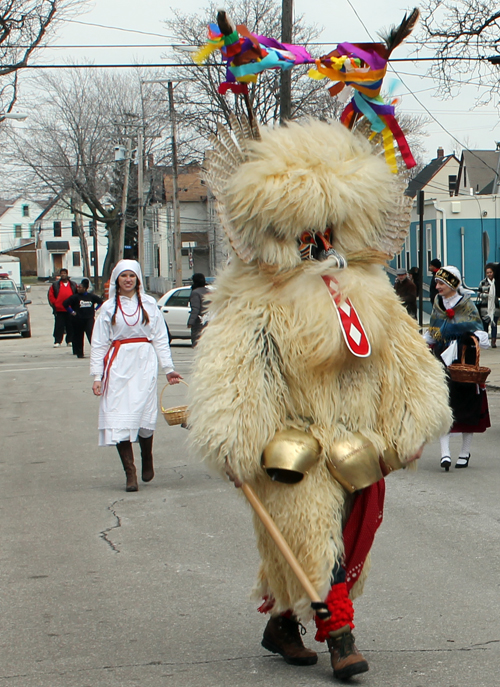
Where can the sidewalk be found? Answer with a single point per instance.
(491, 358)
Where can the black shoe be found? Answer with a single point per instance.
(462, 462)
(446, 462)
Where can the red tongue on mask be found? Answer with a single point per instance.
(323, 240)
(320, 239)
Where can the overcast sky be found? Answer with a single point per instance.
(476, 129)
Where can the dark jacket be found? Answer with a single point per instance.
(407, 291)
(83, 304)
(433, 289)
(198, 307)
(482, 299)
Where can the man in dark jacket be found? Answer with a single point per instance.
(82, 306)
(407, 291)
(195, 321)
(434, 266)
(58, 293)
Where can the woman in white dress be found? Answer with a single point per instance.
(128, 340)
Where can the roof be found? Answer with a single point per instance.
(49, 205)
(59, 246)
(191, 188)
(427, 174)
(5, 205)
(479, 170)
(8, 204)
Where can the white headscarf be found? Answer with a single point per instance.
(124, 266)
(491, 298)
(455, 272)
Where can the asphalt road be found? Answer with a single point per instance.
(100, 588)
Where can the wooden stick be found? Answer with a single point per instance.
(280, 541)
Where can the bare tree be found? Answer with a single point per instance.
(25, 25)
(198, 103)
(68, 147)
(462, 34)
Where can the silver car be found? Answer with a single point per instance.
(175, 308)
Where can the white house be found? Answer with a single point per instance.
(17, 218)
(59, 245)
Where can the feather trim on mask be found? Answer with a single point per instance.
(303, 177)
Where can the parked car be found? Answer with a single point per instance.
(175, 308)
(7, 284)
(14, 315)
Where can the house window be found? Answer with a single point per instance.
(26, 210)
(76, 259)
(18, 231)
(428, 238)
(407, 252)
(398, 261)
(74, 229)
(452, 183)
(57, 228)
(31, 230)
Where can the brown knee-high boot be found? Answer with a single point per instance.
(146, 444)
(127, 455)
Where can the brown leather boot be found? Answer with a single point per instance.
(127, 455)
(346, 659)
(282, 636)
(146, 445)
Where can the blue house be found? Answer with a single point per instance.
(461, 216)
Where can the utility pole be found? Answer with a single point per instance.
(96, 255)
(420, 248)
(121, 237)
(286, 75)
(175, 194)
(140, 194)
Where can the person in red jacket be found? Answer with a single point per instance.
(58, 293)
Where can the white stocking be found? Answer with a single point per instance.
(466, 444)
(445, 445)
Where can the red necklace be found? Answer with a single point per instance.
(136, 312)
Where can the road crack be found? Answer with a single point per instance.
(104, 535)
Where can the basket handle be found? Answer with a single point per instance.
(161, 395)
(476, 345)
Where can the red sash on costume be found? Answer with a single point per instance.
(360, 528)
(113, 352)
(350, 324)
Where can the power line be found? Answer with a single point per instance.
(185, 44)
(118, 28)
(178, 65)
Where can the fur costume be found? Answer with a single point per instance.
(273, 355)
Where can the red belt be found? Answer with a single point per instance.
(113, 352)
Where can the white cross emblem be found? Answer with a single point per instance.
(355, 334)
(346, 308)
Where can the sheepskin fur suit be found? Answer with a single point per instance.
(273, 355)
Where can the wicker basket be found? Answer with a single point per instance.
(469, 374)
(174, 416)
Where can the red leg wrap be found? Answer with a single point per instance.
(341, 609)
(267, 605)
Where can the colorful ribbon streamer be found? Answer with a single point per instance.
(360, 65)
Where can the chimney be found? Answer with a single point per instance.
(440, 152)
